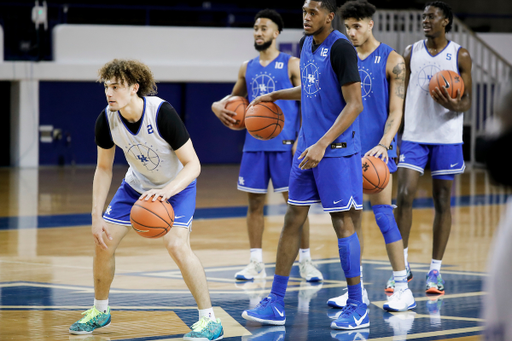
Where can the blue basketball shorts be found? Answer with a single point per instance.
(183, 203)
(446, 160)
(257, 168)
(336, 183)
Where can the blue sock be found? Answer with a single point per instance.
(355, 292)
(279, 286)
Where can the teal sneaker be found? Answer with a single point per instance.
(390, 285)
(435, 283)
(92, 320)
(205, 330)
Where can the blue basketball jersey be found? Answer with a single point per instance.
(322, 100)
(375, 94)
(262, 80)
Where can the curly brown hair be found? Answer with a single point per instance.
(130, 72)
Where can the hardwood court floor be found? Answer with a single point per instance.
(46, 264)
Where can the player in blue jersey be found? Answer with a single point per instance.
(433, 124)
(327, 164)
(263, 160)
(382, 72)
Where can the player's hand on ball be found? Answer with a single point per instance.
(380, 152)
(224, 115)
(155, 194)
(259, 99)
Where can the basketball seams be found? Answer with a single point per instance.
(265, 120)
(374, 175)
(157, 225)
(152, 212)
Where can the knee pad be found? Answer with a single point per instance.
(387, 223)
(350, 255)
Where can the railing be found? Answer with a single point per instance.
(490, 72)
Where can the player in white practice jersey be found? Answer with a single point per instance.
(163, 166)
(432, 131)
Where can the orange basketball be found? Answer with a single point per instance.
(375, 174)
(449, 80)
(264, 120)
(152, 219)
(237, 104)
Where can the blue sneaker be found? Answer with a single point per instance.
(93, 319)
(268, 311)
(353, 316)
(435, 284)
(205, 330)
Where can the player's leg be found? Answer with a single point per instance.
(177, 242)
(406, 192)
(117, 219)
(302, 194)
(253, 179)
(446, 162)
(280, 164)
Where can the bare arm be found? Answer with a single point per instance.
(100, 188)
(190, 171)
(315, 153)
(294, 73)
(239, 89)
(462, 102)
(395, 73)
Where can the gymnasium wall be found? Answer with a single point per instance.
(193, 67)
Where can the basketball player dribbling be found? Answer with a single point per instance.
(263, 160)
(163, 166)
(433, 125)
(382, 72)
(327, 164)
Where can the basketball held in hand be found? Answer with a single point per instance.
(152, 219)
(264, 120)
(449, 80)
(375, 174)
(237, 104)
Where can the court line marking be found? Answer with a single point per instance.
(431, 334)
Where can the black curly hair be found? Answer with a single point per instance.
(356, 9)
(272, 15)
(447, 11)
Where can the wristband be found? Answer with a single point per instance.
(380, 144)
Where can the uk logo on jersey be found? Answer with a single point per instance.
(262, 84)
(425, 75)
(310, 77)
(145, 155)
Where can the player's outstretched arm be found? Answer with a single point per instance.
(190, 171)
(100, 187)
(288, 94)
(462, 102)
(239, 89)
(395, 73)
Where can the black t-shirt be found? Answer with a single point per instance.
(169, 124)
(343, 60)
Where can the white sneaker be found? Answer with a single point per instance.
(341, 301)
(255, 269)
(310, 272)
(401, 300)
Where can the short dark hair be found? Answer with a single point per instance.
(329, 5)
(273, 16)
(357, 9)
(447, 11)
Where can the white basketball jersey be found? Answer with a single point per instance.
(426, 121)
(153, 163)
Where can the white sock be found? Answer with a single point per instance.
(400, 279)
(257, 254)
(304, 254)
(207, 313)
(362, 285)
(101, 305)
(406, 254)
(435, 265)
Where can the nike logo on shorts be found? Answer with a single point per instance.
(335, 202)
(455, 164)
